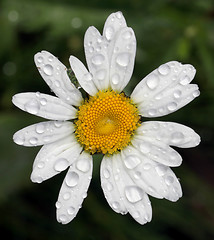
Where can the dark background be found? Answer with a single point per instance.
(165, 30)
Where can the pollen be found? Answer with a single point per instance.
(106, 122)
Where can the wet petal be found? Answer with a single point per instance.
(134, 197)
(122, 59)
(55, 75)
(109, 186)
(85, 78)
(74, 188)
(97, 57)
(54, 158)
(165, 90)
(173, 134)
(160, 179)
(44, 105)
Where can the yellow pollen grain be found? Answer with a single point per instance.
(106, 122)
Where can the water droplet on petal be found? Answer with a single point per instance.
(101, 74)
(145, 147)
(66, 196)
(109, 33)
(98, 59)
(147, 166)
(137, 175)
(161, 170)
(185, 80)
(152, 112)
(115, 205)
(48, 69)
(115, 79)
(172, 106)
(58, 123)
(43, 101)
(63, 218)
(109, 187)
(33, 141)
(123, 59)
(196, 93)
(71, 210)
(19, 140)
(177, 94)
(40, 128)
(127, 35)
(83, 164)
(88, 77)
(106, 173)
(177, 137)
(72, 179)
(164, 69)
(152, 81)
(40, 59)
(51, 58)
(58, 204)
(118, 15)
(169, 180)
(134, 194)
(32, 106)
(132, 161)
(41, 165)
(61, 164)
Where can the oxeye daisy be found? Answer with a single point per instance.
(137, 154)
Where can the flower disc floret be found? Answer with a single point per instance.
(106, 122)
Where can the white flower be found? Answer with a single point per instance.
(137, 155)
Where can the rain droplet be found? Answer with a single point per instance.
(40, 128)
(58, 204)
(196, 93)
(106, 173)
(51, 58)
(58, 123)
(61, 164)
(123, 59)
(127, 35)
(57, 83)
(146, 166)
(71, 210)
(115, 79)
(132, 161)
(100, 75)
(152, 112)
(177, 94)
(41, 165)
(177, 137)
(43, 101)
(109, 187)
(137, 175)
(116, 205)
(63, 218)
(66, 196)
(98, 59)
(152, 81)
(40, 59)
(185, 80)
(88, 77)
(72, 179)
(172, 106)
(91, 49)
(19, 140)
(33, 141)
(119, 15)
(164, 69)
(145, 147)
(32, 106)
(161, 169)
(169, 180)
(136, 214)
(48, 69)
(134, 194)
(109, 33)
(83, 164)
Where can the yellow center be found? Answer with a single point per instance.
(106, 122)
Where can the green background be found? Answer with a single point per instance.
(165, 30)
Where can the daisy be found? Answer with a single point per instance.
(136, 154)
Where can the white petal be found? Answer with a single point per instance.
(44, 105)
(85, 78)
(55, 75)
(54, 158)
(74, 188)
(97, 57)
(173, 134)
(43, 133)
(122, 59)
(134, 198)
(157, 151)
(110, 189)
(160, 179)
(165, 90)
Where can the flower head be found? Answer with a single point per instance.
(137, 154)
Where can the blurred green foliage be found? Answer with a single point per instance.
(165, 30)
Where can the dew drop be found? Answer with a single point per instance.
(43, 101)
(137, 175)
(51, 58)
(169, 180)
(146, 166)
(48, 69)
(63, 218)
(71, 210)
(109, 33)
(115, 79)
(134, 194)
(119, 15)
(172, 106)
(109, 187)
(32, 106)
(145, 147)
(61, 164)
(161, 170)
(98, 59)
(83, 164)
(91, 49)
(33, 141)
(19, 140)
(88, 77)
(136, 214)
(196, 93)
(58, 124)
(37, 179)
(106, 173)
(40, 59)
(127, 35)
(177, 94)
(116, 205)
(57, 83)
(40, 128)
(164, 69)
(177, 137)
(185, 80)
(72, 179)
(123, 59)
(58, 204)
(100, 75)
(152, 112)
(152, 81)
(132, 161)
(66, 196)
(41, 165)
